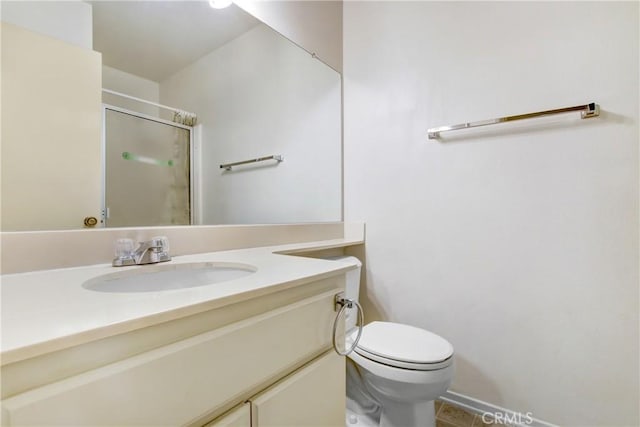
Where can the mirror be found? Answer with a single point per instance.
(255, 95)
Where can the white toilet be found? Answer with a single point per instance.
(397, 371)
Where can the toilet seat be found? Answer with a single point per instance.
(405, 365)
(405, 347)
(409, 376)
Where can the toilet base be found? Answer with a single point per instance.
(397, 414)
(356, 419)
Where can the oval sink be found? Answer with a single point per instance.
(168, 277)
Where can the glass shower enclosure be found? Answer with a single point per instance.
(147, 170)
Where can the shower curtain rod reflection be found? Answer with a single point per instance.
(166, 107)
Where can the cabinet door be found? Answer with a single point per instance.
(237, 417)
(312, 396)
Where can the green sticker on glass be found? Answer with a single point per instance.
(148, 160)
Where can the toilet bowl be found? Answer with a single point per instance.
(404, 369)
(397, 370)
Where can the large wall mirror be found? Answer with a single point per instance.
(125, 111)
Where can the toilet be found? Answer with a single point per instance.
(395, 372)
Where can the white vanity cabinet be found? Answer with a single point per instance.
(273, 351)
(313, 395)
(237, 417)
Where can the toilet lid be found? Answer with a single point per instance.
(404, 343)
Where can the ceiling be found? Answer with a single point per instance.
(155, 39)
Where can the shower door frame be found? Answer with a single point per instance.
(106, 107)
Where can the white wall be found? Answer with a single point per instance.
(314, 25)
(69, 21)
(256, 96)
(516, 242)
(130, 84)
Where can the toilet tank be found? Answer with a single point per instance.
(352, 287)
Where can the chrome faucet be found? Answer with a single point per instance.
(149, 252)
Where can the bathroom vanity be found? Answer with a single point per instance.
(256, 350)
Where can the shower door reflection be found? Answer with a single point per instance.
(147, 178)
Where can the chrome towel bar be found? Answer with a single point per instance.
(228, 166)
(586, 111)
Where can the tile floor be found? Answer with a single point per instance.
(451, 416)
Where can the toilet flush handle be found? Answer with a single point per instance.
(344, 304)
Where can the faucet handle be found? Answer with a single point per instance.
(161, 242)
(124, 248)
(161, 253)
(123, 252)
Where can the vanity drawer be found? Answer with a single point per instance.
(179, 383)
(240, 416)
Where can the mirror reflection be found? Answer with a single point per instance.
(124, 112)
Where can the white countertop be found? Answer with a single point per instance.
(49, 310)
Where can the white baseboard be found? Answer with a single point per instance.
(492, 412)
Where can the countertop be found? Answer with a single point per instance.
(49, 310)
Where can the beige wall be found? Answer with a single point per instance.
(518, 242)
(50, 123)
(314, 25)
